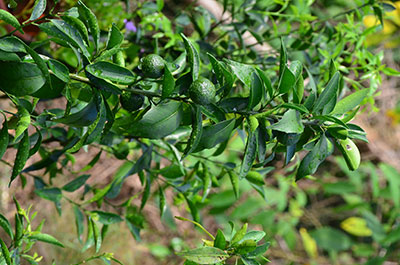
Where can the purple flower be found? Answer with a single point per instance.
(129, 26)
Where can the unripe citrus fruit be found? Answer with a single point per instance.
(131, 101)
(153, 66)
(202, 91)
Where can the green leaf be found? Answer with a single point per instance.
(245, 246)
(294, 106)
(12, 44)
(256, 91)
(38, 143)
(72, 34)
(283, 59)
(234, 178)
(115, 37)
(239, 235)
(287, 81)
(10, 19)
(168, 85)
(249, 154)
(215, 134)
(329, 93)
(51, 194)
(260, 250)
(5, 253)
(59, 70)
(20, 78)
(158, 122)
(4, 138)
(350, 102)
(310, 163)
(197, 130)
(243, 71)
(162, 202)
(21, 157)
(331, 239)
(46, 238)
(205, 255)
(84, 117)
(79, 25)
(9, 56)
(146, 192)
(247, 261)
(106, 218)
(89, 18)
(76, 183)
(220, 241)
(266, 81)
(99, 194)
(23, 122)
(290, 123)
(254, 235)
(38, 9)
(78, 222)
(6, 226)
(112, 72)
(193, 57)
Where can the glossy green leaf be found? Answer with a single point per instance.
(37, 145)
(24, 120)
(72, 34)
(266, 81)
(76, 183)
(350, 153)
(249, 154)
(9, 56)
(4, 138)
(79, 25)
(158, 122)
(21, 157)
(89, 18)
(197, 130)
(46, 238)
(310, 163)
(287, 81)
(205, 255)
(112, 72)
(220, 241)
(247, 261)
(6, 226)
(329, 93)
(146, 192)
(256, 91)
(215, 134)
(84, 117)
(168, 85)
(290, 123)
(20, 79)
(10, 19)
(282, 59)
(162, 201)
(5, 252)
(12, 44)
(193, 57)
(38, 9)
(115, 37)
(243, 71)
(350, 102)
(59, 70)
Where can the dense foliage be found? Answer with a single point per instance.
(180, 93)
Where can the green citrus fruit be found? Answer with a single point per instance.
(131, 101)
(153, 66)
(202, 91)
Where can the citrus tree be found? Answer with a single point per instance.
(167, 97)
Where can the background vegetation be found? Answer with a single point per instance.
(337, 216)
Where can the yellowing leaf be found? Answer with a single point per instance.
(356, 226)
(309, 243)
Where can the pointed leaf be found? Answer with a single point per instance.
(76, 183)
(350, 102)
(21, 157)
(205, 255)
(46, 238)
(112, 72)
(328, 94)
(193, 57)
(290, 123)
(168, 86)
(89, 18)
(38, 9)
(10, 19)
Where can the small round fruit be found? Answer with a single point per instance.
(131, 101)
(202, 91)
(153, 66)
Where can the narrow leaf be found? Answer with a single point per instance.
(193, 57)
(46, 238)
(38, 9)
